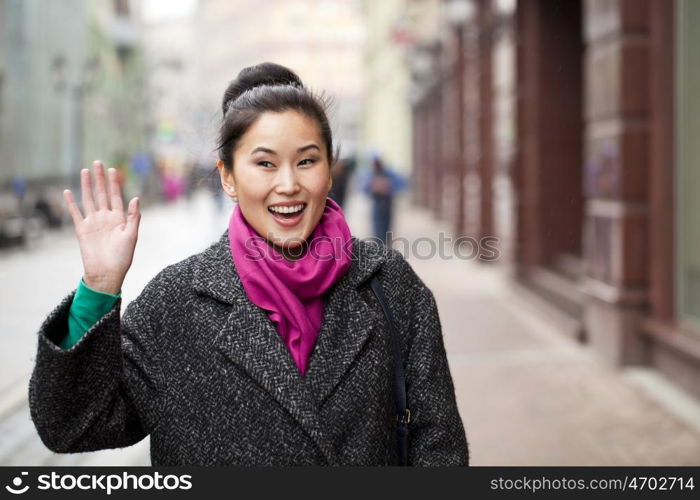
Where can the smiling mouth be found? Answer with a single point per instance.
(288, 212)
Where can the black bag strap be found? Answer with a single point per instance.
(403, 414)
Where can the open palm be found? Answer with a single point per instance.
(106, 235)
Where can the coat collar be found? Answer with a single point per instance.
(249, 339)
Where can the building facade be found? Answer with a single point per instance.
(176, 116)
(386, 111)
(567, 129)
(114, 96)
(321, 40)
(34, 133)
(69, 93)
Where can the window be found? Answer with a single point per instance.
(688, 163)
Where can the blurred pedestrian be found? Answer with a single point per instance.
(217, 192)
(19, 187)
(341, 172)
(142, 166)
(191, 179)
(381, 183)
(213, 359)
(43, 208)
(173, 186)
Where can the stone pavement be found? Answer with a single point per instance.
(528, 395)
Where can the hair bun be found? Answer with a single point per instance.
(266, 73)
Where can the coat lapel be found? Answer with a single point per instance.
(346, 325)
(249, 339)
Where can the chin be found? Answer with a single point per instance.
(289, 242)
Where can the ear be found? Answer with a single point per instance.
(226, 180)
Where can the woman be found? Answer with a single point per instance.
(268, 348)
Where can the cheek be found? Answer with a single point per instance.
(250, 188)
(321, 185)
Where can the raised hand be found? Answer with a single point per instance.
(106, 236)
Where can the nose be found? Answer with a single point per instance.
(287, 182)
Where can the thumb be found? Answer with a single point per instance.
(133, 214)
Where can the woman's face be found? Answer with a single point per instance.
(280, 177)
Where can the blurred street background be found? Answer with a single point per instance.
(556, 140)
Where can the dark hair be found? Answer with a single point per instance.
(267, 87)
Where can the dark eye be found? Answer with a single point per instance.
(307, 161)
(265, 164)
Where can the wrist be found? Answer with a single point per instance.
(103, 285)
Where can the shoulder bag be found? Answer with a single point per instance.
(403, 414)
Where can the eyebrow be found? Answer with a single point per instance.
(272, 152)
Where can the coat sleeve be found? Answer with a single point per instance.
(105, 391)
(436, 433)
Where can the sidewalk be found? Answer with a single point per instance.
(527, 394)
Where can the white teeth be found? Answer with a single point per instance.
(287, 210)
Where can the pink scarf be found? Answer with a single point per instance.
(292, 291)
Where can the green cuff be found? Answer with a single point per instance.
(87, 308)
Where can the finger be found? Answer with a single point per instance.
(115, 191)
(86, 191)
(73, 207)
(101, 186)
(133, 215)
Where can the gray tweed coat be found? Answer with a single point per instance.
(202, 370)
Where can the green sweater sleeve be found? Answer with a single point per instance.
(87, 308)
